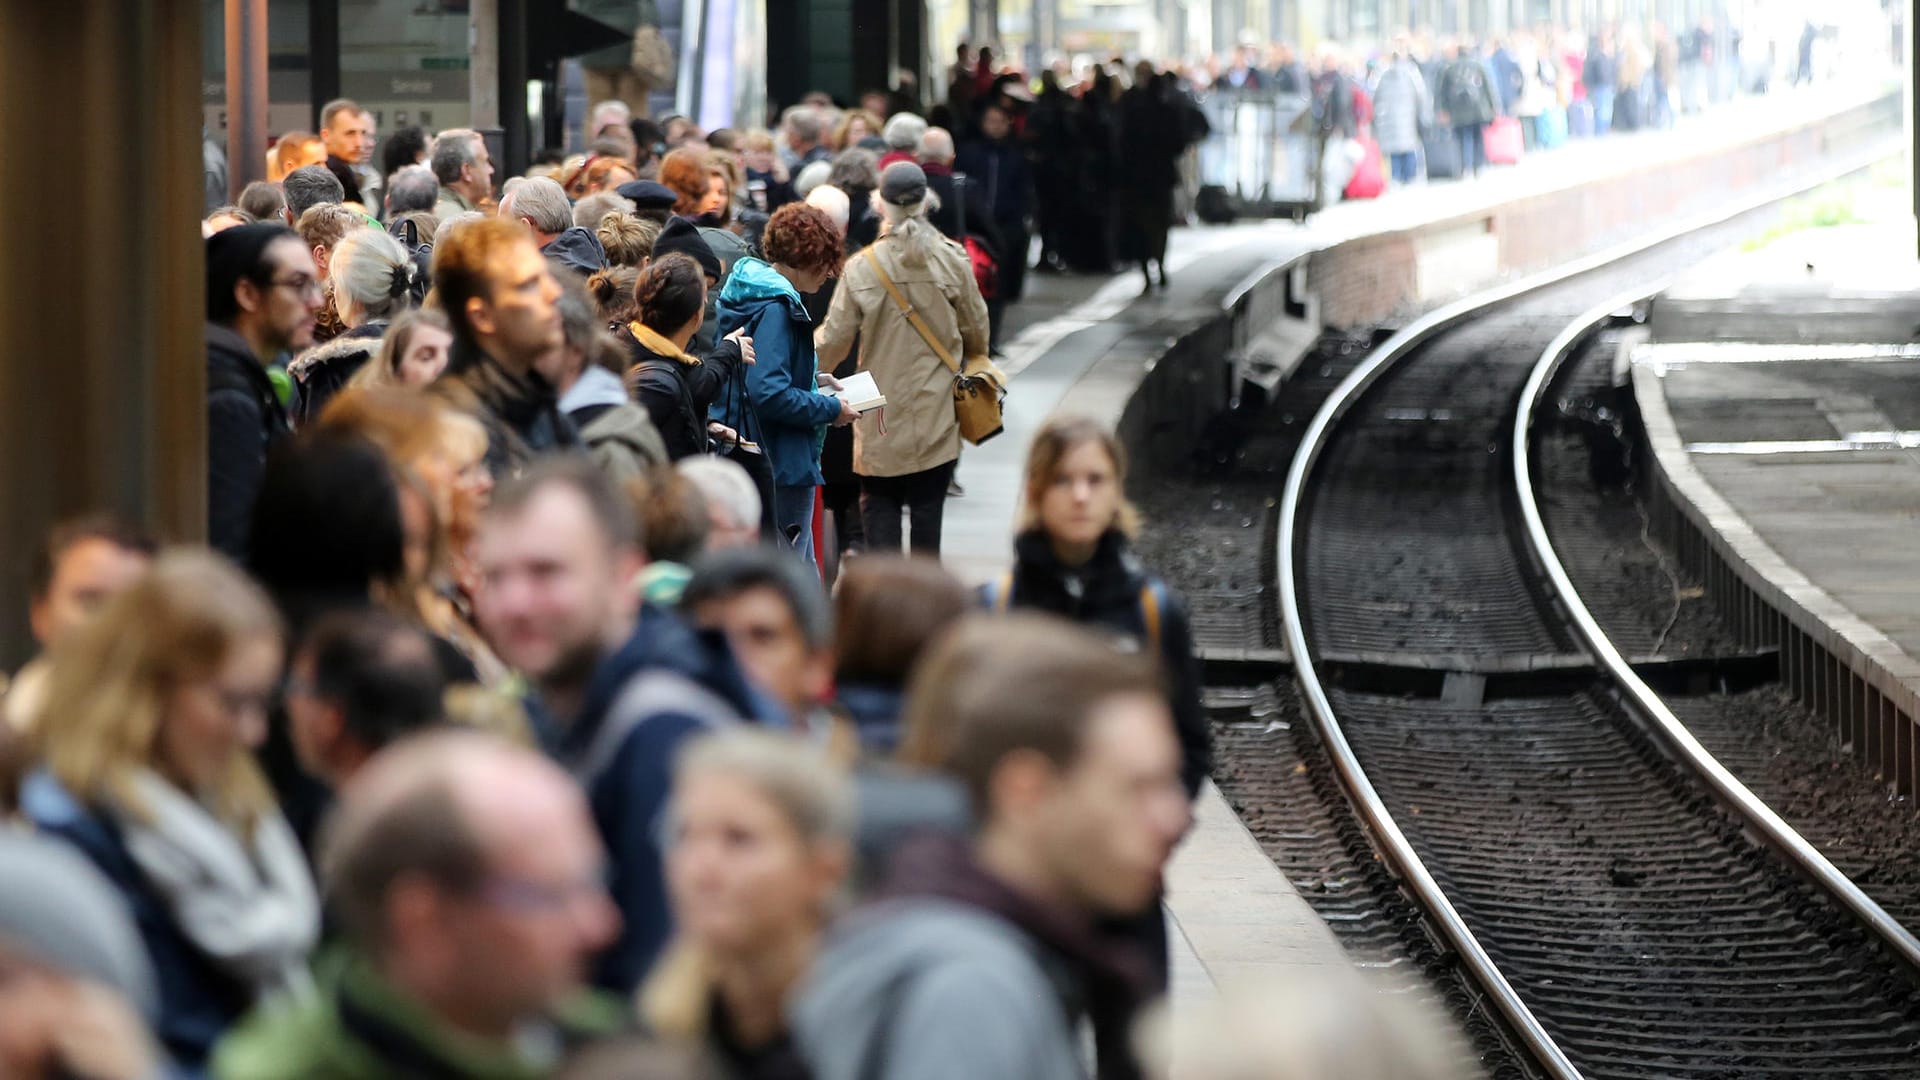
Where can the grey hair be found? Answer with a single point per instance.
(855, 168)
(725, 574)
(412, 188)
(726, 485)
(804, 122)
(936, 145)
(446, 227)
(452, 151)
(917, 238)
(373, 270)
(903, 132)
(310, 186)
(542, 201)
(589, 210)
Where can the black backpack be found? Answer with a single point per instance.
(408, 233)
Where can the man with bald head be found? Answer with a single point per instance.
(961, 209)
(466, 879)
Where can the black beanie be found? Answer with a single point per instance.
(233, 254)
(681, 236)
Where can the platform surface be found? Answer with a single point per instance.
(1231, 911)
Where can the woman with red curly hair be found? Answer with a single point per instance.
(780, 408)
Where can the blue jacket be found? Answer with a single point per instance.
(783, 412)
(666, 683)
(198, 1001)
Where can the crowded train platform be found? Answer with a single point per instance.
(614, 540)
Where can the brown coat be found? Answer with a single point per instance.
(921, 432)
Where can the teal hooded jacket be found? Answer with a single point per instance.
(780, 408)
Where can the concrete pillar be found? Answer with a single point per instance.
(102, 395)
(483, 64)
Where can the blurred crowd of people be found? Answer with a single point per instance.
(523, 717)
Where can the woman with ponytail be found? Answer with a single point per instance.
(372, 278)
(759, 843)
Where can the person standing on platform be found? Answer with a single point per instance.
(780, 408)
(263, 293)
(1466, 96)
(465, 172)
(906, 461)
(1401, 113)
(981, 957)
(1154, 132)
(502, 299)
(347, 131)
(997, 164)
(1601, 73)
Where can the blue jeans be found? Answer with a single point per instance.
(793, 506)
(1602, 98)
(1406, 167)
(1473, 148)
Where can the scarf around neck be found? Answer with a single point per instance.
(1109, 972)
(653, 341)
(247, 903)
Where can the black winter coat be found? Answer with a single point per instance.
(1105, 595)
(244, 421)
(677, 394)
(324, 370)
(521, 414)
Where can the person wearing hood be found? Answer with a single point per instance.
(619, 686)
(675, 386)
(372, 278)
(781, 410)
(263, 292)
(501, 297)
(542, 203)
(618, 434)
(979, 956)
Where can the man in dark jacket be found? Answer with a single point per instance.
(997, 165)
(1466, 96)
(543, 205)
(618, 687)
(263, 293)
(503, 302)
(963, 208)
(347, 131)
(982, 959)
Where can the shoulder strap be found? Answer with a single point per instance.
(652, 693)
(1003, 593)
(1150, 605)
(919, 324)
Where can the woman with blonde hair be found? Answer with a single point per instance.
(152, 713)
(760, 835)
(856, 126)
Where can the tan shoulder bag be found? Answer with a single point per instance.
(977, 387)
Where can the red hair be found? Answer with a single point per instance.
(685, 171)
(805, 238)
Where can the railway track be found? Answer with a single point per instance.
(1626, 905)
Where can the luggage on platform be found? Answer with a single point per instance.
(1442, 153)
(1504, 141)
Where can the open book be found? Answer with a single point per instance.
(860, 391)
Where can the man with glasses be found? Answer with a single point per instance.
(467, 884)
(263, 292)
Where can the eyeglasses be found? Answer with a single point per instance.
(539, 898)
(303, 285)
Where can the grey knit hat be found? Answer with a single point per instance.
(56, 908)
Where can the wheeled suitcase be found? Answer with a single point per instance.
(1442, 152)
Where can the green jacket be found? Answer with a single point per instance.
(360, 1027)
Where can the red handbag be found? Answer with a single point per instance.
(1368, 181)
(1504, 144)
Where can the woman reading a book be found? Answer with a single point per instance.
(911, 300)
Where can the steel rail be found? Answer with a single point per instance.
(1666, 726)
(1385, 832)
